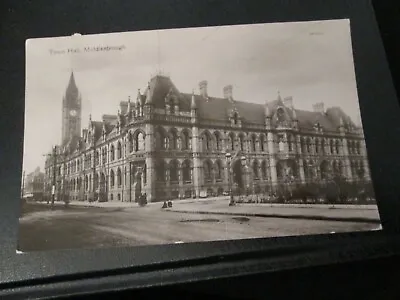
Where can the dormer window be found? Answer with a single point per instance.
(235, 118)
(280, 114)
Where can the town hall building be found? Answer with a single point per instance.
(169, 144)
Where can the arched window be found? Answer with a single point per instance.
(218, 142)
(218, 170)
(207, 168)
(86, 183)
(358, 147)
(104, 155)
(185, 140)
(173, 140)
(119, 177)
(119, 150)
(262, 141)
(255, 169)
(186, 171)
(130, 142)
(231, 140)
(323, 146)
(112, 178)
(331, 146)
(308, 145)
(206, 140)
(160, 139)
(264, 169)
(139, 142)
(112, 153)
(337, 147)
(290, 143)
(253, 143)
(95, 181)
(97, 158)
(173, 171)
(302, 145)
(241, 142)
(317, 147)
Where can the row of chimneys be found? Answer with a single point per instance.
(227, 90)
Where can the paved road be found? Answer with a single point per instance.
(78, 227)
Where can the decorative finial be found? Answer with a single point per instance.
(279, 95)
(193, 103)
(90, 117)
(266, 110)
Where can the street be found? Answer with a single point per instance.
(93, 227)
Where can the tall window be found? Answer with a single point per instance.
(173, 140)
(140, 142)
(264, 169)
(317, 148)
(207, 168)
(241, 142)
(218, 170)
(323, 146)
(331, 147)
(130, 142)
(160, 139)
(112, 178)
(253, 143)
(218, 140)
(112, 153)
(119, 150)
(104, 155)
(255, 169)
(290, 143)
(186, 171)
(97, 158)
(185, 140)
(308, 144)
(231, 141)
(262, 140)
(119, 177)
(206, 140)
(337, 147)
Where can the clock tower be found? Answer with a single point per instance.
(71, 111)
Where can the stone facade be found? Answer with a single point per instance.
(169, 145)
(34, 184)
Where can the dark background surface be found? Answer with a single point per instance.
(362, 280)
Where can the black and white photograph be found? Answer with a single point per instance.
(193, 135)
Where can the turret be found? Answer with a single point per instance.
(193, 106)
(267, 114)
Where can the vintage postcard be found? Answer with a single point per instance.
(197, 134)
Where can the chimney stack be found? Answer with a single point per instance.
(288, 102)
(228, 92)
(203, 88)
(319, 107)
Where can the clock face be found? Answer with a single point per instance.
(72, 113)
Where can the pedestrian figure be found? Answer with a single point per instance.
(169, 203)
(164, 205)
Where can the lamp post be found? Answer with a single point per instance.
(228, 162)
(246, 184)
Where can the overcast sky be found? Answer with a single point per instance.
(310, 61)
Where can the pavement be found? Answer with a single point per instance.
(364, 214)
(219, 206)
(91, 227)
